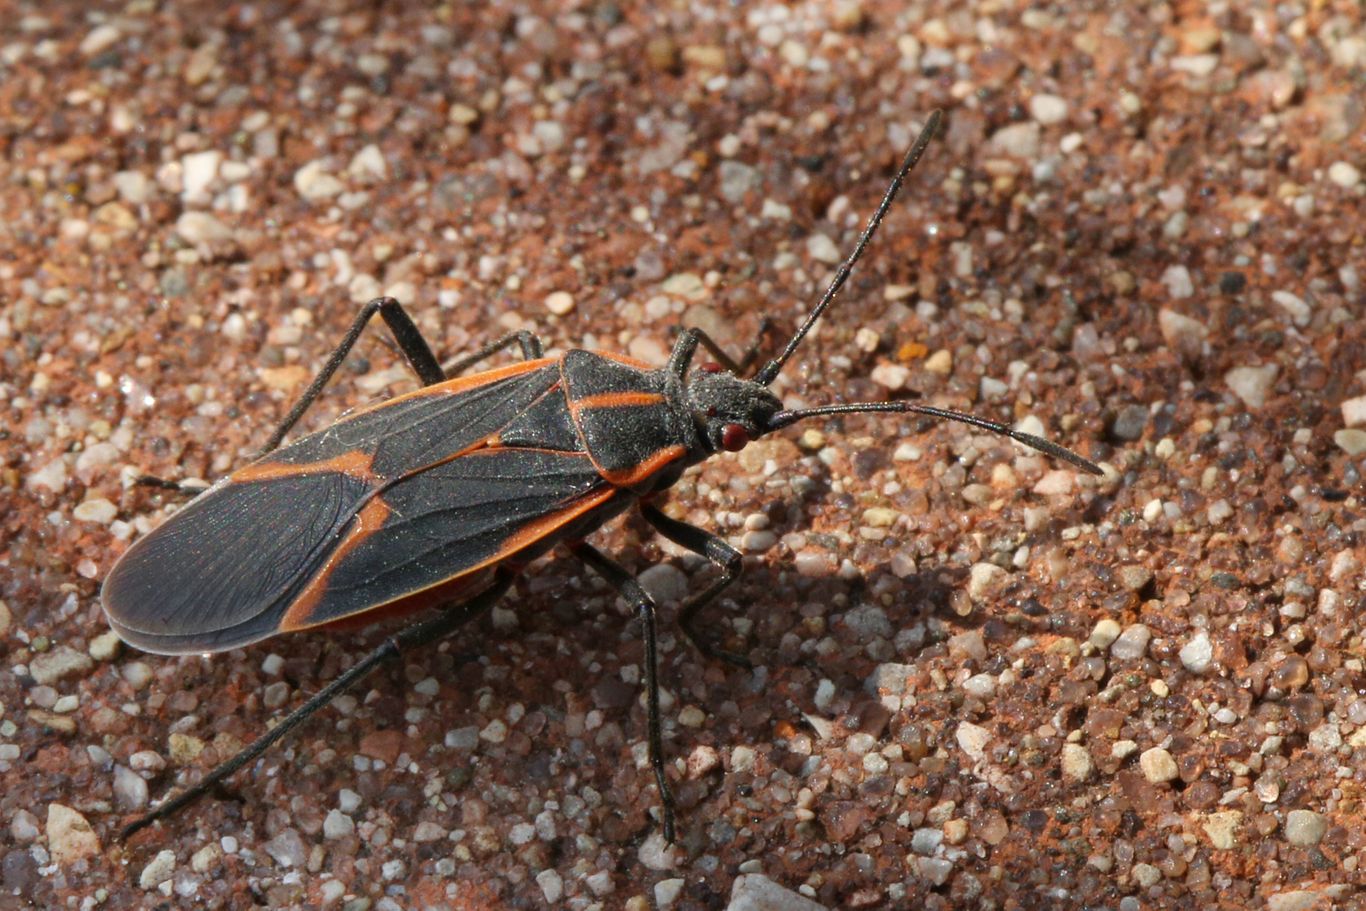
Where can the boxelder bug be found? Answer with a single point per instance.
(443, 494)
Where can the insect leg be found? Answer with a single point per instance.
(392, 647)
(627, 586)
(721, 555)
(527, 340)
(740, 367)
(405, 332)
(184, 488)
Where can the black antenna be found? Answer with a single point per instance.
(770, 371)
(784, 418)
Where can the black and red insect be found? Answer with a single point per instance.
(440, 497)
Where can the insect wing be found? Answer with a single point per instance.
(224, 571)
(451, 519)
(218, 573)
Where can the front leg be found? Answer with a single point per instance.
(640, 600)
(721, 555)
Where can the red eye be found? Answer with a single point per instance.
(709, 367)
(734, 438)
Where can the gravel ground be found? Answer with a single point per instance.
(981, 681)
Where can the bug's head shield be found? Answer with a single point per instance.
(730, 411)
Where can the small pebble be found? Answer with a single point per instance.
(973, 739)
(1198, 653)
(427, 831)
(1344, 174)
(159, 870)
(758, 541)
(1184, 335)
(1178, 281)
(1146, 875)
(890, 376)
(1351, 441)
(70, 837)
(130, 789)
(348, 801)
(1130, 422)
(1354, 411)
(926, 841)
(1251, 384)
(552, 886)
(825, 695)
(98, 510)
(100, 39)
(61, 662)
(1157, 765)
(657, 854)
(1134, 576)
(1048, 109)
(756, 892)
(1222, 829)
(315, 184)
(702, 760)
(1018, 140)
(1294, 305)
(1104, 633)
(287, 848)
(105, 646)
(941, 363)
(823, 250)
(560, 303)
(667, 891)
(1305, 827)
(23, 827)
(1132, 643)
(983, 686)
(982, 578)
(337, 825)
(737, 179)
(1076, 762)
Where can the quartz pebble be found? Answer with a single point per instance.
(756, 892)
(1157, 765)
(70, 837)
(1197, 654)
(1305, 827)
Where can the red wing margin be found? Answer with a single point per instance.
(223, 571)
(220, 572)
(450, 520)
(255, 558)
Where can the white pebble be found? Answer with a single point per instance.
(1132, 643)
(314, 183)
(1344, 174)
(1048, 109)
(1251, 384)
(982, 578)
(98, 510)
(337, 825)
(1055, 483)
(1157, 765)
(560, 303)
(973, 740)
(161, 868)
(1198, 653)
(1353, 412)
(1294, 305)
(823, 250)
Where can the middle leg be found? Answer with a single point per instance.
(640, 600)
(721, 555)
